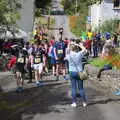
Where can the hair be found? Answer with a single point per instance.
(73, 48)
(77, 41)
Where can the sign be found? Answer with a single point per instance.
(88, 19)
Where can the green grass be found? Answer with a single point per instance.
(98, 62)
(44, 20)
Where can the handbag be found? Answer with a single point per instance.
(83, 75)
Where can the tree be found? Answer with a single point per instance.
(82, 5)
(12, 14)
(9, 13)
(42, 7)
(79, 8)
(42, 3)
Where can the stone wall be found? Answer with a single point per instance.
(110, 78)
(7, 80)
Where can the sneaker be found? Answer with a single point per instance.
(74, 105)
(19, 89)
(29, 82)
(84, 104)
(57, 78)
(39, 84)
(65, 78)
(117, 93)
(99, 80)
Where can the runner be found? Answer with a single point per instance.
(45, 56)
(37, 65)
(31, 57)
(60, 52)
(20, 64)
(53, 57)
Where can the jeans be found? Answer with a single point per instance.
(76, 83)
(95, 51)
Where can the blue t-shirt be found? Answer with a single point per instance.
(60, 49)
(107, 35)
(98, 36)
(52, 52)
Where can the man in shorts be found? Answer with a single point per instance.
(20, 65)
(60, 53)
(37, 65)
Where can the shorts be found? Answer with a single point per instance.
(38, 67)
(53, 61)
(60, 61)
(20, 68)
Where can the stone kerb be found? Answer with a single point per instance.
(5, 78)
(110, 78)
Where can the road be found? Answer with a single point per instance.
(27, 16)
(53, 103)
(62, 21)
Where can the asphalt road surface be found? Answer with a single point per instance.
(53, 103)
(62, 21)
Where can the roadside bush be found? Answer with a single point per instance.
(114, 60)
(109, 26)
(77, 24)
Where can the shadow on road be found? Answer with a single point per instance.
(42, 101)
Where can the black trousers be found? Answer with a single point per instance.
(103, 69)
(30, 72)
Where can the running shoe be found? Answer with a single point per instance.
(117, 93)
(84, 104)
(74, 105)
(65, 78)
(19, 89)
(57, 78)
(29, 82)
(39, 84)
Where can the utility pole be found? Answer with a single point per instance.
(76, 6)
(49, 19)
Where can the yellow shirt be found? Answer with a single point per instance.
(90, 34)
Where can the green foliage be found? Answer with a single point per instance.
(80, 26)
(44, 20)
(114, 60)
(37, 12)
(109, 25)
(42, 3)
(82, 6)
(82, 11)
(98, 62)
(9, 12)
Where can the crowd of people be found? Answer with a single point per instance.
(62, 56)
